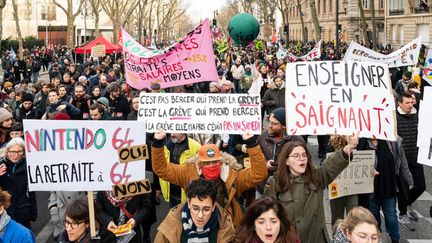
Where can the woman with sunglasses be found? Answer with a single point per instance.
(299, 186)
(77, 224)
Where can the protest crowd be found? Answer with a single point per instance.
(220, 187)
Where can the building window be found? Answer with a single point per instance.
(324, 6)
(381, 4)
(365, 3)
(43, 13)
(396, 4)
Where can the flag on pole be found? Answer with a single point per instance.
(12, 55)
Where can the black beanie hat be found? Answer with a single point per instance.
(279, 114)
(27, 97)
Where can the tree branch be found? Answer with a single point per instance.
(60, 6)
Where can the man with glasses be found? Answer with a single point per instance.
(229, 177)
(201, 219)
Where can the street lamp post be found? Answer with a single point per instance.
(338, 27)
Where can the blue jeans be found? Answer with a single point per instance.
(388, 206)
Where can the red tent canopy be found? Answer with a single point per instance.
(109, 47)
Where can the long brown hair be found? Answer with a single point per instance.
(245, 233)
(283, 172)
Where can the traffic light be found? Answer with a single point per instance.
(214, 22)
(286, 30)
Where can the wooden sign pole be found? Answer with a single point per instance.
(90, 198)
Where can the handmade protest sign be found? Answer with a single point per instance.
(406, 56)
(357, 178)
(98, 50)
(131, 189)
(188, 61)
(335, 97)
(200, 113)
(313, 54)
(81, 155)
(427, 70)
(424, 142)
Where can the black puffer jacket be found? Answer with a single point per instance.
(407, 125)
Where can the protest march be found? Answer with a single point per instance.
(161, 128)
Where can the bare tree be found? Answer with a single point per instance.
(18, 29)
(119, 12)
(374, 30)
(315, 20)
(2, 5)
(363, 23)
(96, 9)
(70, 17)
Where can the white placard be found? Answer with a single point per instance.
(357, 178)
(336, 97)
(405, 56)
(201, 113)
(81, 155)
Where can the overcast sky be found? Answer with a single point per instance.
(201, 9)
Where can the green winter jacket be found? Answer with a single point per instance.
(304, 203)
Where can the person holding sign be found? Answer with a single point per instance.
(201, 219)
(299, 186)
(13, 178)
(391, 166)
(131, 210)
(230, 179)
(77, 224)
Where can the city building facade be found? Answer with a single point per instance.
(397, 21)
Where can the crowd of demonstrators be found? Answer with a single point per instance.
(280, 165)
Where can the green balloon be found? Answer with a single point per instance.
(243, 28)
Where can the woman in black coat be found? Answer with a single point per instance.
(13, 178)
(132, 210)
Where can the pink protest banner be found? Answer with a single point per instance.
(188, 61)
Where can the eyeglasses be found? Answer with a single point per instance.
(71, 224)
(16, 152)
(366, 238)
(298, 156)
(205, 210)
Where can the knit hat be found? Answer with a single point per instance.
(8, 84)
(214, 84)
(104, 101)
(4, 115)
(407, 74)
(209, 152)
(27, 97)
(61, 116)
(279, 114)
(155, 86)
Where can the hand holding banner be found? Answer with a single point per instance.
(188, 61)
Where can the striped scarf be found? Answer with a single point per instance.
(198, 234)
